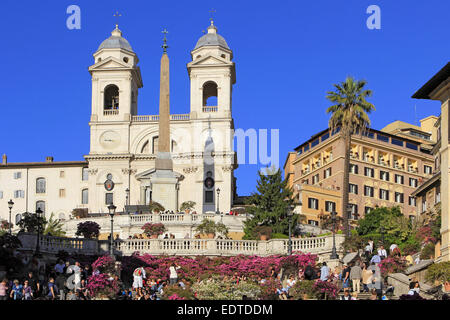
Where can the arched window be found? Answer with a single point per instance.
(40, 185)
(145, 147)
(155, 144)
(111, 101)
(18, 218)
(41, 205)
(174, 146)
(84, 196)
(210, 94)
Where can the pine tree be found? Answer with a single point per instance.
(269, 205)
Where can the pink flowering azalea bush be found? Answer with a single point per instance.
(104, 264)
(102, 286)
(176, 297)
(269, 289)
(425, 235)
(199, 268)
(153, 229)
(392, 264)
(325, 290)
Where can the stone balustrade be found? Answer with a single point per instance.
(186, 247)
(178, 224)
(210, 109)
(54, 244)
(110, 112)
(177, 218)
(155, 118)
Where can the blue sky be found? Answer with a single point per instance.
(287, 55)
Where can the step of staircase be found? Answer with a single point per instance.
(366, 296)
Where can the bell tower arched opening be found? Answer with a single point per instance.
(210, 94)
(111, 100)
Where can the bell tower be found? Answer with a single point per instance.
(212, 75)
(116, 79)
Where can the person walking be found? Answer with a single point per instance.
(367, 252)
(52, 291)
(138, 276)
(27, 291)
(346, 277)
(355, 276)
(59, 267)
(382, 252)
(77, 274)
(375, 259)
(366, 278)
(173, 278)
(34, 284)
(60, 282)
(16, 290)
(310, 274)
(392, 248)
(324, 272)
(3, 290)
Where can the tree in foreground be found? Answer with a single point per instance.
(269, 205)
(349, 114)
(31, 222)
(54, 227)
(88, 229)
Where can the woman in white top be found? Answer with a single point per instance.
(173, 273)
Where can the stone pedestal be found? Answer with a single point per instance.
(164, 189)
(333, 263)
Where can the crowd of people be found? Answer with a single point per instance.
(61, 282)
(66, 281)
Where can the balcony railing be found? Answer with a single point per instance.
(110, 112)
(155, 118)
(210, 109)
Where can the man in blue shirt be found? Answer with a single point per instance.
(376, 259)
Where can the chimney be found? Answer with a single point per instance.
(4, 159)
(49, 159)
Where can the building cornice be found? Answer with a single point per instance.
(23, 165)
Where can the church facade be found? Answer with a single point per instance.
(124, 145)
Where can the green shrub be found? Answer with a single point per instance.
(187, 293)
(220, 289)
(438, 272)
(301, 288)
(325, 234)
(427, 251)
(279, 236)
(410, 246)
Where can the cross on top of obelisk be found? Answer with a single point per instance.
(165, 46)
(117, 15)
(212, 12)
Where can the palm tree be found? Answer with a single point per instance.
(349, 113)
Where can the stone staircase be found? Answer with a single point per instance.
(366, 296)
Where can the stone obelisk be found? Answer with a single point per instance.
(163, 159)
(164, 181)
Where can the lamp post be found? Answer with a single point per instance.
(334, 254)
(38, 215)
(112, 211)
(127, 201)
(218, 193)
(127, 198)
(290, 214)
(10, 206)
